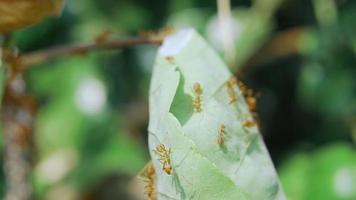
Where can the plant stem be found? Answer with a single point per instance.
(27, 60)
(225, 23)
(17, 119)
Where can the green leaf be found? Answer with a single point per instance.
(202, 167)
(2, 76)
(326, 173)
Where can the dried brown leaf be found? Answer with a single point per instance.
(15, 14)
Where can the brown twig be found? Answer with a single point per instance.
(17, 116)
(36, 57)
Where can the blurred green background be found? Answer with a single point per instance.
(297, 55)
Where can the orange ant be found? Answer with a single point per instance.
(249, 96)
(158, 36)
(149, 178)
(249, 123)
(230, 89)
(197, 101)
(103, 37)
(251, 102)
(170, 59)
(164, 154)
(221, 136)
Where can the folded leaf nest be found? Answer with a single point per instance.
(199, 114)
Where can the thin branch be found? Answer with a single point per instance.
(27, 60)
(225, 23)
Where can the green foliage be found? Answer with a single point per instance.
(328, 173)
(69, 137)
